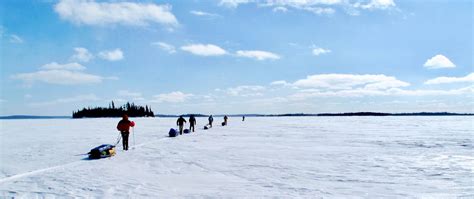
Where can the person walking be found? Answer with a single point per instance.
(124, 127)
(243, 118)
(180, 122)
(192, 122)
(225, 120)
(211, 119)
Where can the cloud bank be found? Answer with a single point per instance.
(90, 12)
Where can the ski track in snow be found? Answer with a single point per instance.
(291, 157)
(76, 163)
(15, 177)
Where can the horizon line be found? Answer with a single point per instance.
(264, 114)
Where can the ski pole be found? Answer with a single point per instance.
(133, 132)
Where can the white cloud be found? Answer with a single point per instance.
(318, 7)
(377, 4)
(62, 77)
(280, 9)
(257, 54)
(305, 95)
(350, 85)
(75, 99)
(82, 55)
(438, 61)
(267, 101)
(166, 47)
(349, 81)
(460, 91)
(12, 38)
(204, 49)
(89, 12)
(68, 66)
(62, 74)
(203, 14)
(245, 91)
(111, 55)
(233, 3)
(173, 97)
(320, 11)
(386, 84)
(320, 51)
(279, 83)
(363, 92)
(16, 39)
(447, 80)
(298, 3)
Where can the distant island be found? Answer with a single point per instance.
(131, 110)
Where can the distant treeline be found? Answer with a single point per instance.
(15, 117)
(393, 114)
(369, 114)
(131, 110)
(184, 115)
(328, 114)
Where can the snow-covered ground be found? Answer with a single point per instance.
(286, 157)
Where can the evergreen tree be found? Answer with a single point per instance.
(129, 108)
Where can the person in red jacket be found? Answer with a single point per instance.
(124, 127)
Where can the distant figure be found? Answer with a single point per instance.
(211, 119)
(192, 122)
(180, 122)
(243, 118)
(225, 119)
(124, 127)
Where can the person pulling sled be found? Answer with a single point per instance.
(180, 122)
(225, 120)
(192, 123)
(211, 119)
(124, 127)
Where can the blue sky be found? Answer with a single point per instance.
(237, 56)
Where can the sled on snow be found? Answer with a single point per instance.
(186, 131)
(208, 126)
(173, 132)
(102, 151)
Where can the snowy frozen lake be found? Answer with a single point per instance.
(285, 157)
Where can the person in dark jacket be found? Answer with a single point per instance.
(192, 122)
(124, 127)
(180, 122)
(243, 118)
(211, 119)
(225, 120)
